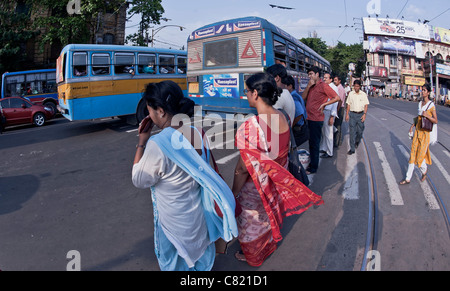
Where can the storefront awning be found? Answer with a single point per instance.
(377, 83)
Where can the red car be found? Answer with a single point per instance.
(18, 110)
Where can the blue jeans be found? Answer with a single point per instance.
(315, 134)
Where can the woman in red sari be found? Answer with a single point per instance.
(267, 192)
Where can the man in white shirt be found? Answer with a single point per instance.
(330, 112)
(285, 101)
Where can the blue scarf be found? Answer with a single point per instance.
(213, 188)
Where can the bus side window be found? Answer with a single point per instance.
(181, 65)
(280, 52)
(146, 64)
(100, 64)
(124, 63)
(166, 64)
(80, 64)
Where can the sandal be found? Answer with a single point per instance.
(239, 255)
(424, 176)
(404, 182)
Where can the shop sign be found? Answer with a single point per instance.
(414, 81)
(443, 69)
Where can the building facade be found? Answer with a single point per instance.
(403, 55)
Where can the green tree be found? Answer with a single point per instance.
(317, 44)
(339, 56)
(64, 28)
(151, 12)
(14, 34)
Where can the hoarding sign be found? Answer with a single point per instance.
(396, 27)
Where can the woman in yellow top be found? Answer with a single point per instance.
(420, 148)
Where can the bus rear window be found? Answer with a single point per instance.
(222, 53)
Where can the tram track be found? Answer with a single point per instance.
(373, 210)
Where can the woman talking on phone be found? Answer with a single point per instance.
(183, 185)
(420, 148)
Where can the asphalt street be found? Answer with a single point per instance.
(67, 187)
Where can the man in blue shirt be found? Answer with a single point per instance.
(299, 124)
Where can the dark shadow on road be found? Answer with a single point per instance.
(15, 191)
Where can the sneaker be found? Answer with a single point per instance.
(325, 156)
(350, 152)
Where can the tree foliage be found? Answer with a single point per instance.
(151, 12)
(339, 56)
(14, 34)
(64, 28)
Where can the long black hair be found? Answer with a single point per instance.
(266, 87)
(168, 96)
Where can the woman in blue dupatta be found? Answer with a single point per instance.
(175, 165)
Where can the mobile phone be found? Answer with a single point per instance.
(146, 124)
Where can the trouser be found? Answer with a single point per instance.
(409, 173)
(356, 129)
(337, 137)
(326, 143)
(315, 134)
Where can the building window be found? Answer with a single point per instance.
(406, 62)
(393, 60)
(108, 38)
(381, 59)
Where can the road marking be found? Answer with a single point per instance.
(228, 158)
(440, 167)
(447, 153)
(351, 187)
(394, 191)
(427, 192)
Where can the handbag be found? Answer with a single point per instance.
(427, 125)
(301, 133)
(295, 166)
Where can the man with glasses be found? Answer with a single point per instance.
(317, 95)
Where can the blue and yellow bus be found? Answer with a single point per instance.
(38, 86)
(97, 81)
(222, 55)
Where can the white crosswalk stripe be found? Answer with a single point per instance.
(427, 192)
(394, 191)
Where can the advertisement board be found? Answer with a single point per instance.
(441, 35)
(223, 85)
(443, 69)
(382, 44)
(396, 27)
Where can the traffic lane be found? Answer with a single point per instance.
(77, 195)
(413, 226)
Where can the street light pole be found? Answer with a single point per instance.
(155, 31)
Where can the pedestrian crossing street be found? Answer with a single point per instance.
(392, 182)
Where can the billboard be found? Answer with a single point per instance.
(381, 44)
(441, 35)
(396, 27)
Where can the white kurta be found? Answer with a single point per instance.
(178, 201)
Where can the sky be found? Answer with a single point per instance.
(332, 20)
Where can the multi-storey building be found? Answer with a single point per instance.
(399, 54)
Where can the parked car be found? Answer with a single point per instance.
(18, 110)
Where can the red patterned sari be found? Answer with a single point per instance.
(270, 194)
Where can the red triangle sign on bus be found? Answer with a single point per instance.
(249, 51)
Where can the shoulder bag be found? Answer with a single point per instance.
(295, 166)
(427, 125)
